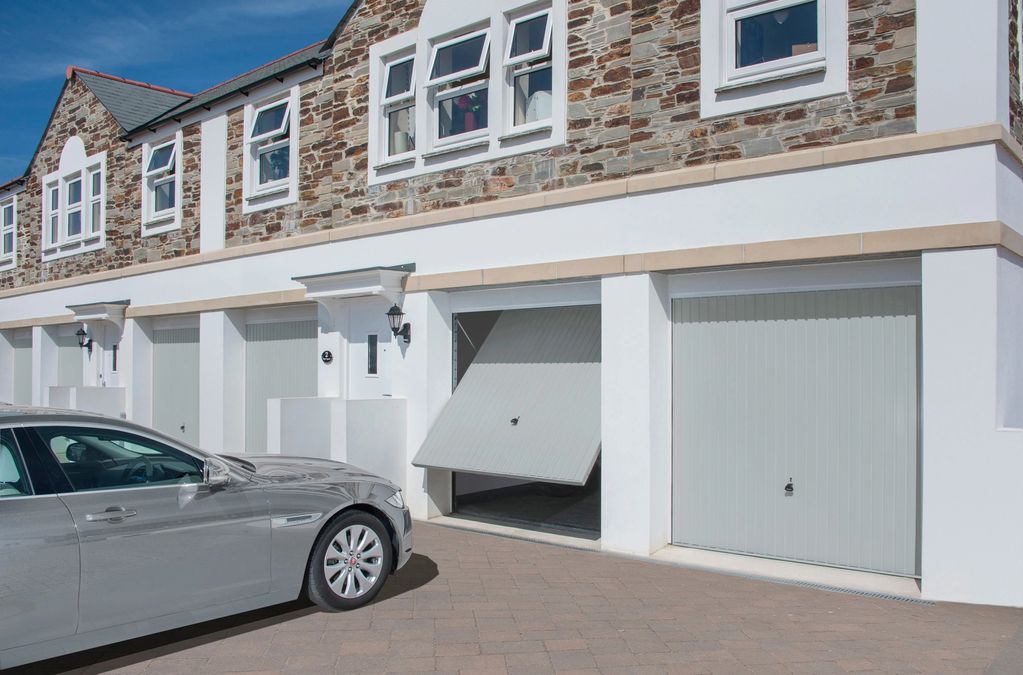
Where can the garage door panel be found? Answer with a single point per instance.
(280, 362)
(176, 382)
(819, 387)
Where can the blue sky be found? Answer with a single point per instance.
(186, 44)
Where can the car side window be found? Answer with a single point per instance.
(13, 477)
(104, 459)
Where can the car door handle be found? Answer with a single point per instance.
(114, 514)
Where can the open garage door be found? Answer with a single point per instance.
(795, 426)
(176, 382)
(280, 362)
(528, 406)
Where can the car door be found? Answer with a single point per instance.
(154, 538)
(38, 551)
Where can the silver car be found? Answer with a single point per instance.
(109, 531)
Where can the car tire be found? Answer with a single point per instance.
(350, 562)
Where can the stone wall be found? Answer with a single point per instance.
(1015, 98)
(79, 112)
(633, 90)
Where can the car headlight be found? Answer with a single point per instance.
(396, 500)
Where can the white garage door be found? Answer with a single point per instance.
(176, 382)
(280, 362)
(69, 361)
(795, 426)
(22, 371)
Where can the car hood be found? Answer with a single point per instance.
(286, 468)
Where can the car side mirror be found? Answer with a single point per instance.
(215, 473)
(75, 452)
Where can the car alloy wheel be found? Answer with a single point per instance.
(353, 561)
(350, 562)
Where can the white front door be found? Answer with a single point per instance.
(370, 348)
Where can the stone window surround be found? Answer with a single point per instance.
(501, 139)
(73, 160)
(9, 260)
(153, 224)
(725, 91)
(279, 195)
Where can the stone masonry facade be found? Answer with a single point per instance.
(79, 112)
(633, 107)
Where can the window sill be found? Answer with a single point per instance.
(273, 192)
(398, 161)
(7, 263)
(522, 133)
(767, 79)
(160, 225)
(467, 145)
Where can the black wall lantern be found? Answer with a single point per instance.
(83, 340)
(394, 317)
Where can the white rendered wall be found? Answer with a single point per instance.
(957, 186)
(222, 381)
(44, 363)
(7, 366)
(213, 183)
(962, 63)
(426, 384)
(971, 550)
(635, 409)
(136, 357)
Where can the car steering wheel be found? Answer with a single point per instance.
(132, 471)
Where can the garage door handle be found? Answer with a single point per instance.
(111, 515)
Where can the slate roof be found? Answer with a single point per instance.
(131, 103)
(310, 55)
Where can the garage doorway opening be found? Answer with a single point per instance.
(521, 433)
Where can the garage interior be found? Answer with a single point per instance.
(521, 434)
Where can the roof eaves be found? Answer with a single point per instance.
(176, 114)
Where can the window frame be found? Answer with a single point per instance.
(92, 235)
(478, 69)
(20, 464)
(258, 196)
(36, 431)
(386, 100)
(465, 136)
(8, 259)
(735, 11)
(153, 221)
(544, 52)
(280, 131)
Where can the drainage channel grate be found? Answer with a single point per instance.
(847, 591)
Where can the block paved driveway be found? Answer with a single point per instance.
(471, 602)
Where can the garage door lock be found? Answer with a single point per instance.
(789, 488)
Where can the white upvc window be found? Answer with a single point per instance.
(765, 53)
(772, 39)
(459, 86)
(487, 82)
(8, 232)
(530, 72)
(74, 203)
(398, 99)
(271, 151)
(161, 185)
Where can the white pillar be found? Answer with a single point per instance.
(332, 378)
(212, 184)
(222, 381)
(7, 366)
(427, 378)
(971, 498)
(635, 411)
(968, 44)
(135, 356)
(44, 363)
